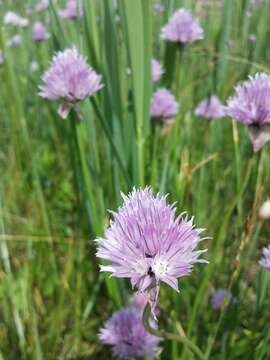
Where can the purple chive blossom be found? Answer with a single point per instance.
(265, 260)
(158, 7)
(264, 212)
(255, 3)
(125, 333)
(2, 58)
(149, 244)
(39, 32)
(251, 106)
(210, 108)
(182, 28)
(252, 38)
(42, 5)
(11, 18)
(163, 105)
(157, 70)
(70, 79)
(14, 41)
(34, 66)
(73, 10)
(220, 298)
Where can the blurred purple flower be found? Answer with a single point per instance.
(251, 106)
(2, 58)
(69, 78)
(157, 70)
(42, 5)
(34, 66)
(221, 297)
(252, 38)
(147, 243)
(73, 10)
(182, 28)
(39, 32)
(125, 333)
(163, 105)
(158, 7)
(264, 212)
(210, 108)
(11, 18)
(255, 3)
(14, 41)
(265, 260)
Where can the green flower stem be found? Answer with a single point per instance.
(109, 138)
(162, 334)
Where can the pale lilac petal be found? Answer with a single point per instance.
(259, 135)
(157, 70)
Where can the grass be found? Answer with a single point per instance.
(59, 177)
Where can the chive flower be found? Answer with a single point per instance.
(69, 79)
(163, 105)
(14, 19)
(210, 108)
(125, 333)
(251, 106)
(221, 298)
(264, 212)
(157, 70)
(73, 10)
(182, 28)
(2, 58)
(265, 260)
(39, 32)
(149, 244)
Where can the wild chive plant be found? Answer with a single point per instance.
(149, 244)
(59, 177)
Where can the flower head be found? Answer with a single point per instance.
(163, 105)
(157, 70)
(2, 58)
(34, 66)
(147, 243)
(11, 18)
(265, 260)
(220, 298)
(69, 78)
(252, 38)
(42, 5)
(14, 41)
(182, 28)
(251, 106)
(73, 10)
(210, 108)
(264, 212)
(126, 334)
(39, 32)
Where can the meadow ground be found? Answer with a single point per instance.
(59, 177)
